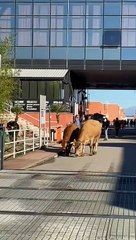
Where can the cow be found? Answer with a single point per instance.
(89, 134)
(70, 134)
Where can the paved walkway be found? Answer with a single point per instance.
(32, 159)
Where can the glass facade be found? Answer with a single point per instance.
(70, 29)
(70, 34)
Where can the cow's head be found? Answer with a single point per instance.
(78, 149)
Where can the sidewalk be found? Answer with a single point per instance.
(32, 159)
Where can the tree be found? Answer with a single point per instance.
(17, 110)
(8, 82)
(58, 107)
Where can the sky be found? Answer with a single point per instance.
(124, 98)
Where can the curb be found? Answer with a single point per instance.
(40, 162)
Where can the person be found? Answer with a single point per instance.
(106, 124)
(117, 126)
(77, 121)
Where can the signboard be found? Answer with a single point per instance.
(42, 109)
(28, 105)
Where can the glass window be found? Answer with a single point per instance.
(111, 54)
(129, 22)
(41, 88)
(41, 38)
(23, 53)
(76, 9)
(7, 9)
(94, 9)
(75, 53)
(58, 53)
(33, 89)
(112, 8)
(112, 38)
(25, 89)
(76, 22)
(129, 53)
(24, 9)
(23, 38)
(58, 22)
(41, 9)
(94, 22)
(76, 38)
(40, 52)
(24, 22)
(6, 33)
(128, 38)
(93, 38)
(41, 22)
(58, 9)
(58, 38)
(6, 22)
(93, 53)
(129, 9)
(49, 90)
(112, 22)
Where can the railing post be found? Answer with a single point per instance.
(14, 144)
(33, 140)
(24, 142)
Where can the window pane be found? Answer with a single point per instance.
(41, 38)
(24, 9)
(129, 53)
(93, 53)
(24, 22)
(41, 9)
(94, 22)
(76, 38)
(59, 22)
(128, 22)
(112, 22)
(59, 9)
(111, 38)
(41, 22)
(41, 88)
(93, 38)
(110, 54)
(40, 53)
(112, 8)
(77, 9)
(24, 53)
(33, 89)
(24, 38)
(58, 53)
(128, 38)
(76, 22)
(25, 89)
(6, 33)
(76, 53)
(6, 22)
(7, 9)
(94, 9)
(129, 9)
(58, 38)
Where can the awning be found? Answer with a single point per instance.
(41, 73)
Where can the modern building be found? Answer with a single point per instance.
(62, 45)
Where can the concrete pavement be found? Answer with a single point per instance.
(32, 159)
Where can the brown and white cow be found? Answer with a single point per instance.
(89, 134)
(70, 134)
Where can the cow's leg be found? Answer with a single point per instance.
(95, 147)
(91, 147)
(68, 148)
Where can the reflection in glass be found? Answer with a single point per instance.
(129, 38)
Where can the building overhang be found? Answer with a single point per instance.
(104, 79)
(41, 73)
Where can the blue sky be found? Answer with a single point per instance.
(124, 98)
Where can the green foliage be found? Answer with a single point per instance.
(17, 110)
(57, 107)
(8, 83)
